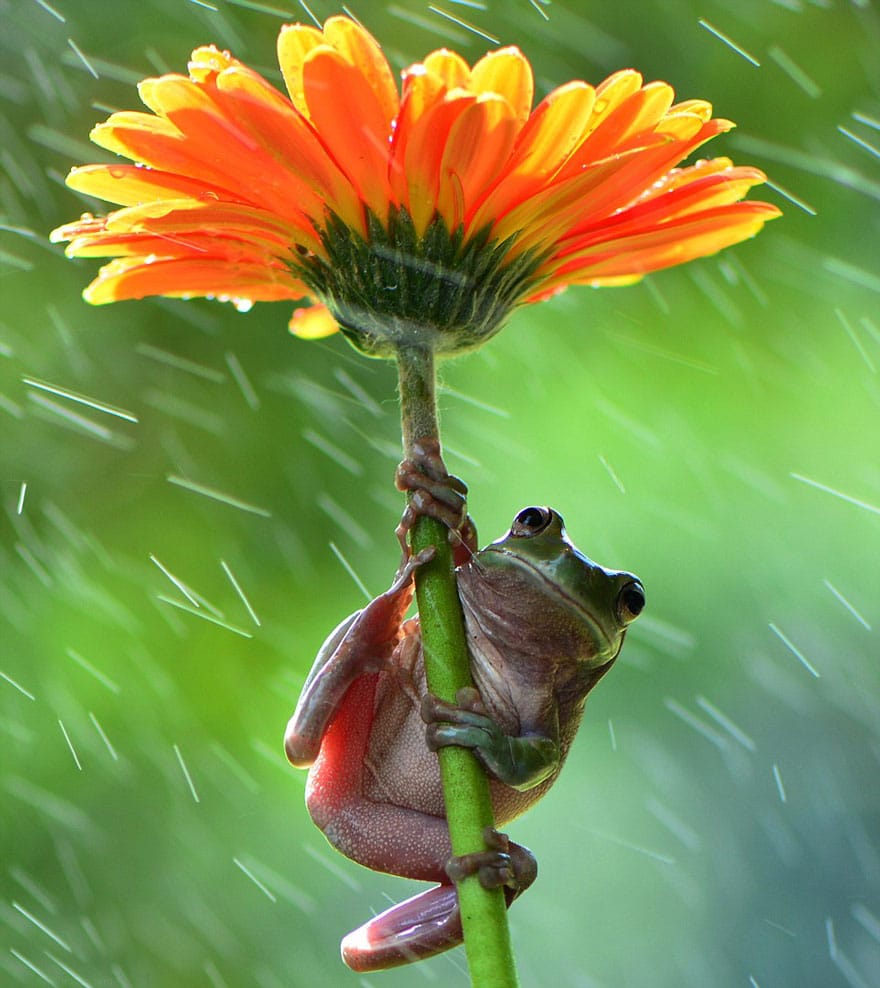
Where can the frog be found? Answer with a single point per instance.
(544, 623)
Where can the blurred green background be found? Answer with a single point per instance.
(717, 823)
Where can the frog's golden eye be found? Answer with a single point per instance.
(630, 602)
(531, 521)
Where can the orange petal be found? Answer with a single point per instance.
(288, 138)
(696, 107)
(611, 92)
(695, 235)
(312, 323)
(354, 129)
(568, 205)
(701, 193)
(632, 119)
(712, 182)
(185, 227)
(129, 278)
(424, 154)
(248, 165)
(479, 143)
(508, 73)
(215, 219)
(619, 181)
(682, 126)
(422, 89)
(156, 142)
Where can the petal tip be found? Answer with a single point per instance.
(312, 323)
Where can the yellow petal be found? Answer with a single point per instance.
(611, 92)
(129, 185)
(295, 42)
(313, 323)
(448, 66)
(553, 131)
(508, 73)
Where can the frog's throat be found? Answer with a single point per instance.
(556, 590)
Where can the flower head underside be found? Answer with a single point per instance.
(421, 215)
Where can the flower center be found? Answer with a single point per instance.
(441, 290)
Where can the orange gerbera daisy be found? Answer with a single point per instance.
(421, 216)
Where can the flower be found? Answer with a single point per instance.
(423, 215)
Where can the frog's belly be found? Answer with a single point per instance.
(399, 768)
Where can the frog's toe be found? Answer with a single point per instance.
(433, 491)
(503, 864)
(419, 927)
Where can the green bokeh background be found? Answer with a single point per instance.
(673, 424)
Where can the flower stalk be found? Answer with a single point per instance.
(447, 667)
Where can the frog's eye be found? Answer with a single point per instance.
(630, 602)
(531, 521)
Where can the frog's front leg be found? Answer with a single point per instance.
(435, 493)
(521, 762)
(362, 643)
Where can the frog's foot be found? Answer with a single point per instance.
(503, 865)
(433, 492)
(430, 922)
(422, 926)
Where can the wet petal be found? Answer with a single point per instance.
(422, 89)
(295, 41)
(630, 122)
(129, 185)
(700, 188)
(424, 153)
(311, 179)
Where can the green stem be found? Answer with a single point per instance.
(447, 667)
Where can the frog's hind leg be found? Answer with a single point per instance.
(430, 922)
(345, 804)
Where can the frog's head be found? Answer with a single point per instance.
(603, 602)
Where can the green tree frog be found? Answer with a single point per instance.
(544, 624)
